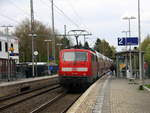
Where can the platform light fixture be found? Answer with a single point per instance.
(129, 19)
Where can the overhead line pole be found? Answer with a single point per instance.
(85, 39)
(65, 31)
(32, 33)
(78, 33)
(140, 53)
(53, 32)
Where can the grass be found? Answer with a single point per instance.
(147, 85)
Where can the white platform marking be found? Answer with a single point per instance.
(100, 98)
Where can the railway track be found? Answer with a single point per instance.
(6, 103)
(40, 101)
(65, 109)
(46, 104)
(60, 104)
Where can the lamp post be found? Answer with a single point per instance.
(33, 57)
(48, 49)
(126, 32)
(129, 19)
(140, 54)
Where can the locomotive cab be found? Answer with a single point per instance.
(74, 67)
(81, 66)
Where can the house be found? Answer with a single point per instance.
(9, 55)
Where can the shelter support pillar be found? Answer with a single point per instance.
(117, 63)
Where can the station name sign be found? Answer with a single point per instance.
(127, 41)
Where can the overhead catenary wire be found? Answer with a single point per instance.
(61, 13)
(9, 18)
(78, 17)
(44, 3)
(76, 14)
(20, 9)
(58, 10)
(65, 15)
(49, 8)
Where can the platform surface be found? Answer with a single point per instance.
(18, 81)
(114, 95)
(12, 88)
(123, 96)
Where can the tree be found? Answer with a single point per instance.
(86, 45)
(97, 45)
(104, 48)
(145, 47)
(22, 31)
(113, 52)
(80, 45)
(147, 54)
(65, 42)
(145, 43)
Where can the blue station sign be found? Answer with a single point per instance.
(127, 41)
(132, 41)
(121, 42)
(51, 58)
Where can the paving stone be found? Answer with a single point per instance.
(115, 96)
(126, 98)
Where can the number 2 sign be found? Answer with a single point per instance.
(121, 42)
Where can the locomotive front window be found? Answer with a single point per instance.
(75, 56)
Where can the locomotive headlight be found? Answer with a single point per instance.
(67, 69)
(84, 74)
(82, 69)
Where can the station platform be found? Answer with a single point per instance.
(113, 95)
(12, 88)
(18, 81)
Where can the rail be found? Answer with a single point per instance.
(25, 96)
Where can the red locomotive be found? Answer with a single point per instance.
(81, 66)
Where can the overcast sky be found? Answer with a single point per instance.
(103, 18)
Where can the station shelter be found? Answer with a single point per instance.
(123, 60)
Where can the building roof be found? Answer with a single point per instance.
(4, 37)
(126, 52)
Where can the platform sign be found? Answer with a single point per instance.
(121, 42)
(51, 58)
(127, 41)
(132, 41)
(13, 54)
(121, 57)
(51, 68)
